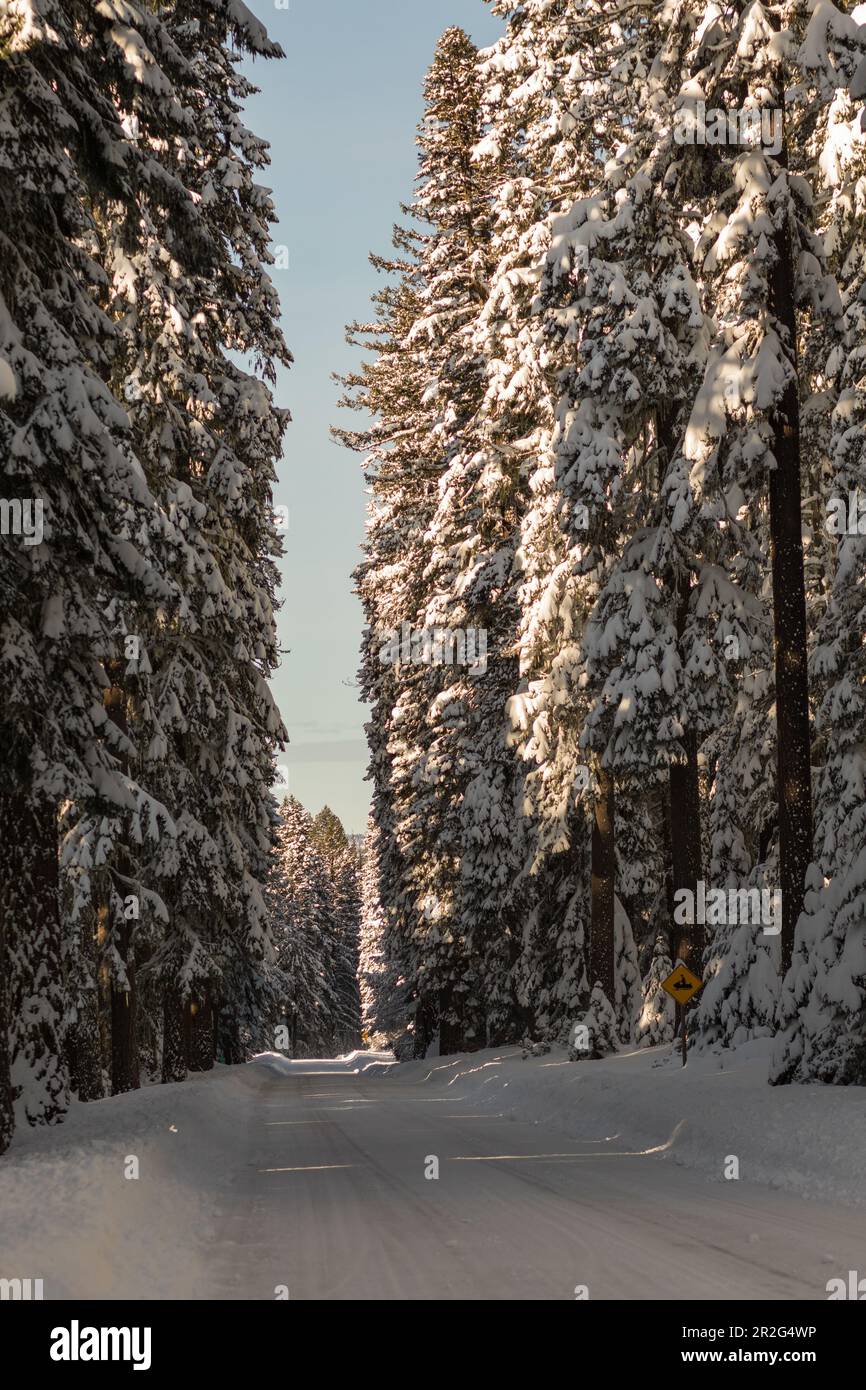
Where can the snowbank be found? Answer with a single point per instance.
(69, 1214)
(806, 1139)
(351, 1064)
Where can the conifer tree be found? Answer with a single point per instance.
(209, 436)
(423, 388)
(136, 214)
(65, 442)
(824, 994)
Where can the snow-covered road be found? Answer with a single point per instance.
(309, 1179)
(332, 1200)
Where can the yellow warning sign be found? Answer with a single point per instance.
(682, 983)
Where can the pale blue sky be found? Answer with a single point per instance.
(340, 114)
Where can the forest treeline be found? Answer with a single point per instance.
(314, 895)
(617, 379)
(613, 575)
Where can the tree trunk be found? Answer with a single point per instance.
(424, 1027)
(35, 1002)
(124, 996)
(450, 1039)
(793, 774)
(7, 1113)
(602, 946)
(686, 870)
(83, 1044)
(124, 1014)
(173, 1040)
(684, 786)
(198, 1029)
(450, 1029)
(228, 1036)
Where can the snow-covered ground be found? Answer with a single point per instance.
(70, 1216)
(805, 1139)
(315, 1177)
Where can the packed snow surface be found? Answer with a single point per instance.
(317, 1180)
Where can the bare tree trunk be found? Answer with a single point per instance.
(793, 777)
(173, 1040)
(684, 785)
(230, 1037)
(30, 906)
(686, 870)
(83, 1043)
(124, 996)
(7, 1113)
(450, 1029)
(124, 1014)
(198, 1028)
(424, 1027)
(602, 945)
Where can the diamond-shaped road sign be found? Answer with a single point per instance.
(681, 984)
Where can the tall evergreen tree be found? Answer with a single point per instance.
(423, 388)
(209, 435)
(314, 908)
(823, 1004)
(139, 245)
(66, 444)
(385, 1003)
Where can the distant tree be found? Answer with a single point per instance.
(314, 909)
(385, 1004)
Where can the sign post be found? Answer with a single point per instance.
(682, 984)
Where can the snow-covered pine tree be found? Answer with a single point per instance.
(596, 1034)
(822, 1012)
(329, 837)
(296, 912)
(422, 409)
(762, 265)
(307, 939)
(603, 430)
(209, 435)
(374, 985)
(130, 171)
(385, 1004)
(537, 76)
(453, 819)
(390, 388)
(531, 79)
(65, 444)
(618, 286)
(343, 869)
(656, 1021)
(627, 982)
